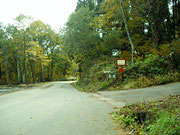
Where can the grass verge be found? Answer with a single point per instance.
(152, 118)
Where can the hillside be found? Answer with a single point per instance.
(154, 69)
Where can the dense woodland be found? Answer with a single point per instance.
(132, 29)
(30, 51)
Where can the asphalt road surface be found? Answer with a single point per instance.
(125, 97)
(59, 109)
(54, 109)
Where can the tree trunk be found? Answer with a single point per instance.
(43, 73)
(168, 23)
(0, 73)
(18, 69)
(7, 69)
(154, 22)
(64, 73)
(43, 68)
(48, 70)
(174, 20)
(24, 71)
(24, 63)
(52, 67)
(127, 31)
(65, 70)
(32, 71)
(178, 19)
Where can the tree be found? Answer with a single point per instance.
(80, 41)
(127, 30)
(31, 51)
(85, 3)
(1, 39)
(6, 49)
(112, 26)
(22, 24)
(39, 33)
(14, 40)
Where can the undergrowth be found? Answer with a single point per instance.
(157, 68)
(151, 118)
(154, 70)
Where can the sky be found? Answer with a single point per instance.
(52, 12)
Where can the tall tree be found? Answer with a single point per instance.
(13, 35)
(1, 38)
(22, 24)
(86, 3)
(79, 40)
(38, 30)
(6, 51)
(127, 30)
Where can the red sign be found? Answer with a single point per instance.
(121, 69)
(121, 62)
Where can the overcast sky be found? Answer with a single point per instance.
(52, 12)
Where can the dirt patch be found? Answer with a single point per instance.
(122, 131)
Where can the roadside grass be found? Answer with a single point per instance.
(151, 118)
(78, 87)
(146, 81)
(65, 79)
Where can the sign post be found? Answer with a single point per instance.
(121, 63)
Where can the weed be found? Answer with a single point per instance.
(153, 118)
(167, 124)
(154, 70)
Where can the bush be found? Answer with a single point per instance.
(152, 118)
(172, 53)
(167, 124)
(94, 78)
(152, 65)
(154, 70)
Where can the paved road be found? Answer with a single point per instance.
(54, 109)
(125, 97)
(59, 109)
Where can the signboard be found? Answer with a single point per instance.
(121, 62)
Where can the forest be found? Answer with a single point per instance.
(145, 33)
(31, 51)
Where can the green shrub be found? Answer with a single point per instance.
(152, 65)
(124, 120)
(153, 70)
(167, 124)
(94, 78)
(152, 118)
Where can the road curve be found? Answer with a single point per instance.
(54, 109)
